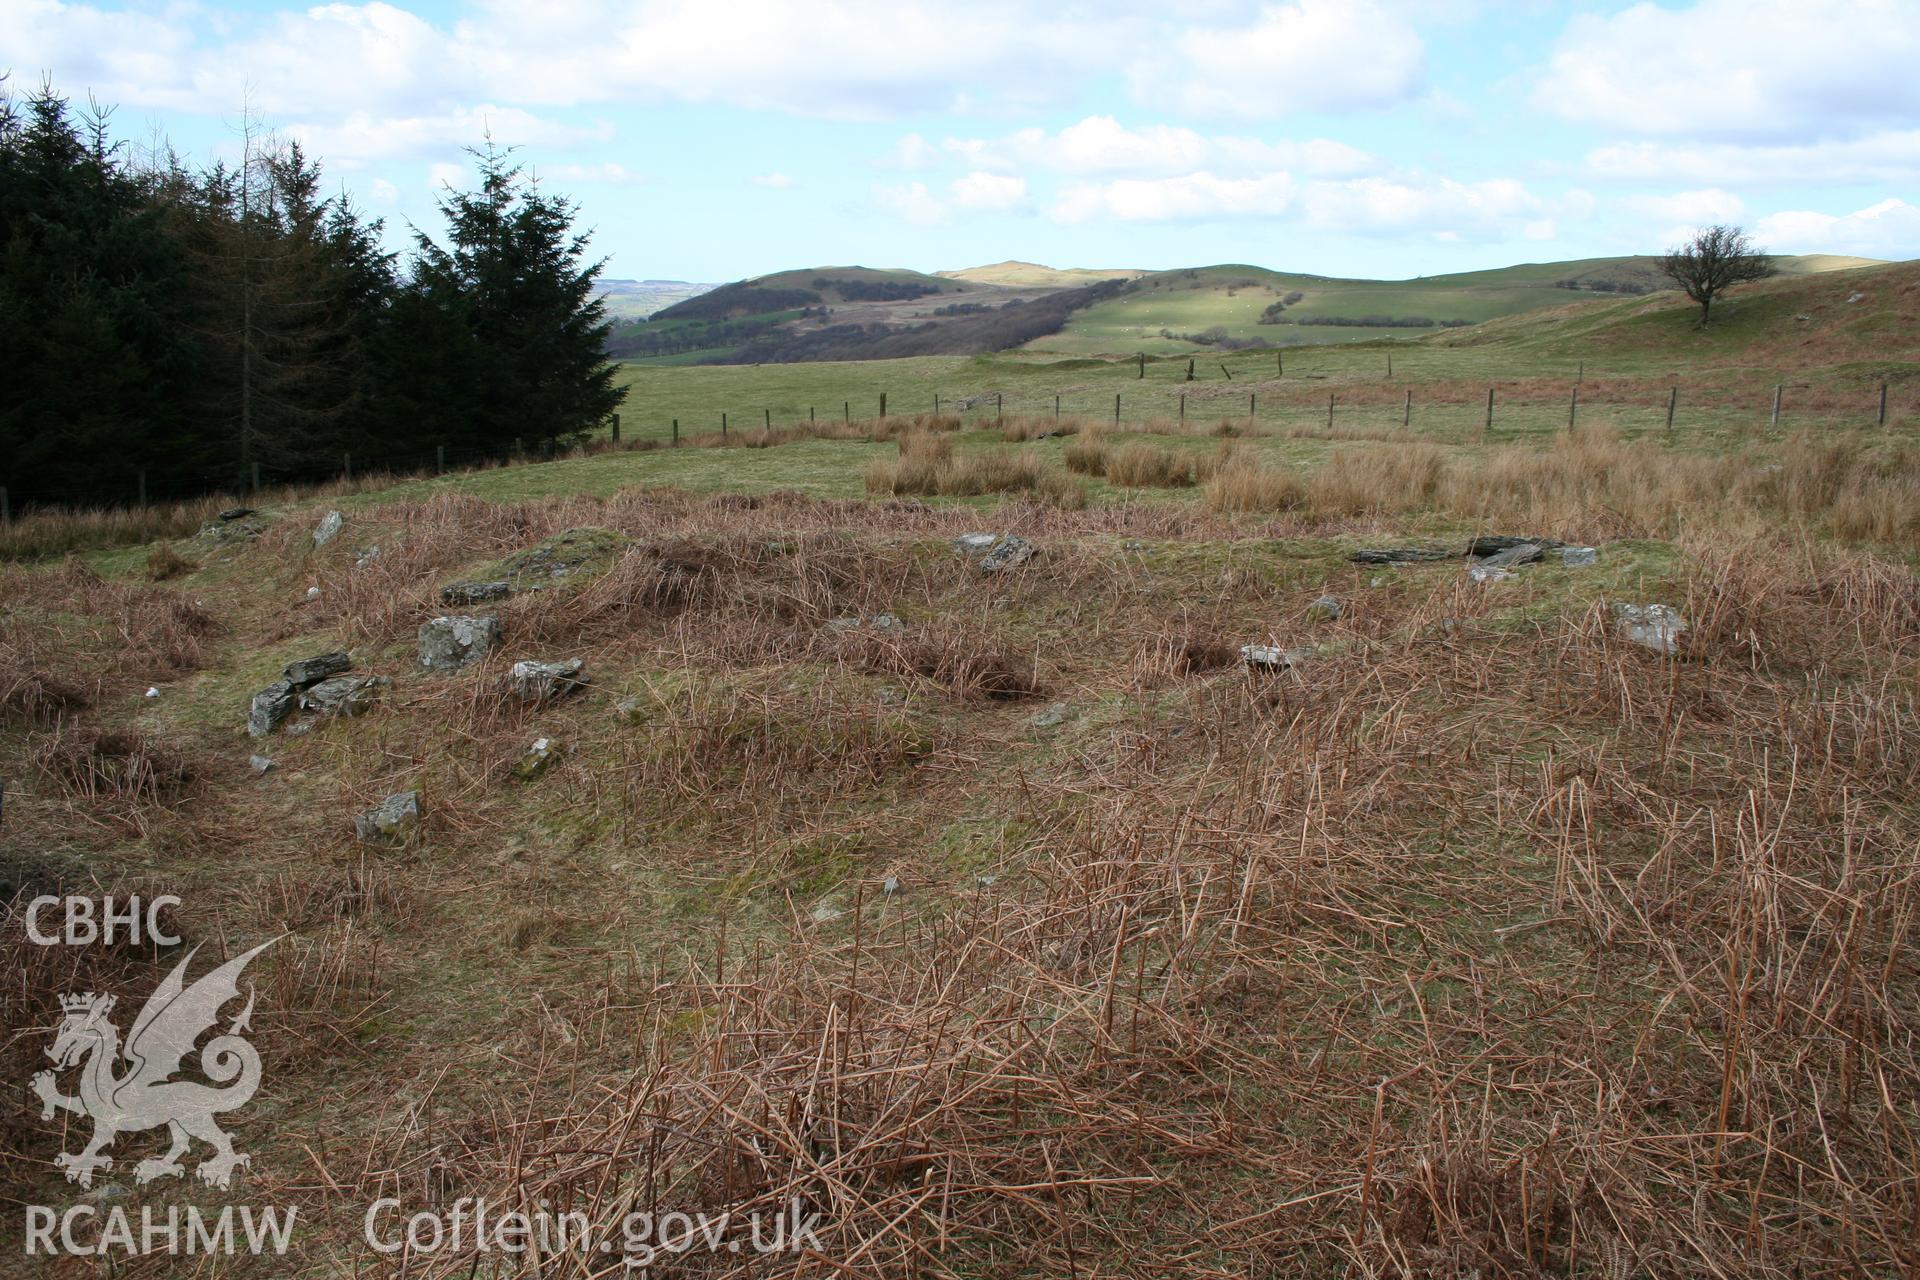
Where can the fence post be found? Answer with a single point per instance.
(1489, 426)
(1253, 399)
(996, 408)
(1573, 406)
(1280, 365)
(1389, 366)
(256, 477)
(1189, 368)
(346, 465)
(1883, 404)
(143, 486)
(1056, 406)
(1183, 406)
(883, 404)
(1329, 410)
(769, 418)
(1116, 407)
(1143, 367)
(936, 404)
(1581, 376)
(1777, 388)
(616, 428)
(846, 411)
(809, 413)
(723, 426)
(1406, 414)
(676, 433)
(439, 459)
(6, 508)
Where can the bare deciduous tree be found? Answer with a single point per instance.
(1715, 258)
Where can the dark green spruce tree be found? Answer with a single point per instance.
(511, 305)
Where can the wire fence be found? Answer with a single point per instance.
(1510, 410)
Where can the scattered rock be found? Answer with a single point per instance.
(302, 727)
(875, 622)
(1803, 318)
(1133, 544)
(328, 529)
(539, 681)
(826, 912)
(317, 668)
(571, 553)
(890, 886)
(1400, 555)
(1325, 609)
(365, 557)
(1652, 626)
(235, 524)
(456, 641)
(1512, 557)
(975, 544)
(472, 593)
(235, 513)
(392, 821)
(1579, 557)
(1378, 580)
(1489, 573)
(1493, 544)
(1854, 297)
(343, 695)
(270, 706)
(313, 593)
(259, 764)
(1271, 657)
(540, 757)
(1009, 553)
(1050, 717)
(153, 691)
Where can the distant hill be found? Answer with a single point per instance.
(1236, 306)
(855, 313)
(1032, 273)
(638, 299)
(1806, 317)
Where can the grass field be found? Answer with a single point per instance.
(1232, 298)
(1011, 922)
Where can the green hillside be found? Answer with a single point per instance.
(1223, 306)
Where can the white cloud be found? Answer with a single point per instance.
(777, 181)
(1102, 145)
(1755, 70)
(1889, 156)
(1413, 204)
(1313, 55)
(609, 173)
(990, 192)
(912, 201)
(362, 137)
(1189, 197)
(1889, 229)
(1694, 208)
(912, 152)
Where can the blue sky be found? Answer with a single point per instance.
(710, 141)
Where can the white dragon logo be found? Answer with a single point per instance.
(144, 1097)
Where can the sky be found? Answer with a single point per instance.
(723, 139)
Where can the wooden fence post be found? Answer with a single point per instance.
(996, 407)
(1329, 410)
(1389, 366)
(1777, 389)
(1406, 414)
(810, 413)
(723, 426)
(1253, 399)
(1883, 404)
(6, 508)
(346, 466)
(1056, 406)
(1673, 398)
(676, 433)
(256, 477)
(143, 486)
(1573, 406)
(616, 428)
(936, 404)
(1116, 407)
(883, 404)
(846, 411)
(1143, 367)
(1183, 406)
(769, 418)
(439, 459)
(1489, 426)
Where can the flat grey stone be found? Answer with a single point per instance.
(392, 821)
(539, 681)
(317, 668)
(1051, 716)
(1579, 557)
(540, 757)
(1325, 609)
(328, 529)
(1651, 626)
(471, 593)
(456, 641)
(1494, 543)
(1488, 573)
(1271, 657)
(343, 695)
(236, 513)
(1512, 557)
(270, 706)
(1401, 555)
(1009, 553)
(259, 764)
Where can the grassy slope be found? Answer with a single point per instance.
(1233, 297)
(1032, 273)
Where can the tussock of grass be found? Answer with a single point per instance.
(929, 465)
